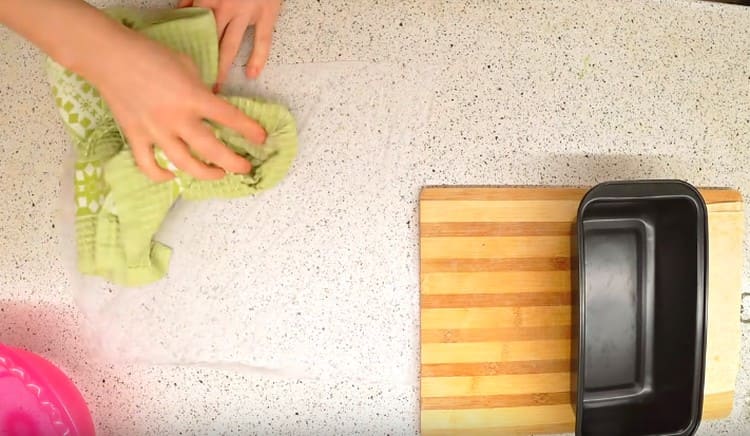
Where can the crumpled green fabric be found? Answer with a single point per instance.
(118, 209)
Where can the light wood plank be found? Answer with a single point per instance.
(495, 334)
(495, 384)
(494, 401)
(710, 195)
(562, 263)
(498, 211)
(497, 247)
(516, 430)
(495, 368)
(475, 352)
(501, 193)
(494, 317)
(517, 299)
(717, 405)
(434, 423)
(496, 229)
(502, 282)
(495, 418)
(726, 230)
(724, 207)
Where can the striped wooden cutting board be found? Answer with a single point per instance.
(496, 308)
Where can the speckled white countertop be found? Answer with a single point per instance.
(390, 96)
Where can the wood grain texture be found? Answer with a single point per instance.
(541, 411)
(496, 229)
(525, 193)
(491, 317)
(457, 352)
(561, 263)
(495, 368)
(498, 334)
(483, 247)
(496, 308)
(494, 211)
(495, 282)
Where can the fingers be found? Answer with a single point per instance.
(230, 45)
(203, 140)
(143, 153)
(227, 115)
(261, 43)
(222, 20)
(178, 154)
(185, 3)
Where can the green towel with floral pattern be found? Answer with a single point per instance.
(118, 209)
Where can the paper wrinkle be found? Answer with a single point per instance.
(282, 284)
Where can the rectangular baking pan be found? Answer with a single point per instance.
(642, 261)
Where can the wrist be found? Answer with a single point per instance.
(95, 51)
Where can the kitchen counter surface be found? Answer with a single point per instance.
(390, 96)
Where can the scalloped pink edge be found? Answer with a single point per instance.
(52, 410)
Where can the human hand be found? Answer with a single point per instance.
(157, 97)
(233, 17)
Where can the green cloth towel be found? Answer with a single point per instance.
(118, 209)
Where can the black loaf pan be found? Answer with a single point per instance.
(642, 268)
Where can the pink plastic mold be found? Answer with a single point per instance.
(37, 399)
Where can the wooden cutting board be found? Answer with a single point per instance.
(496, 308)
